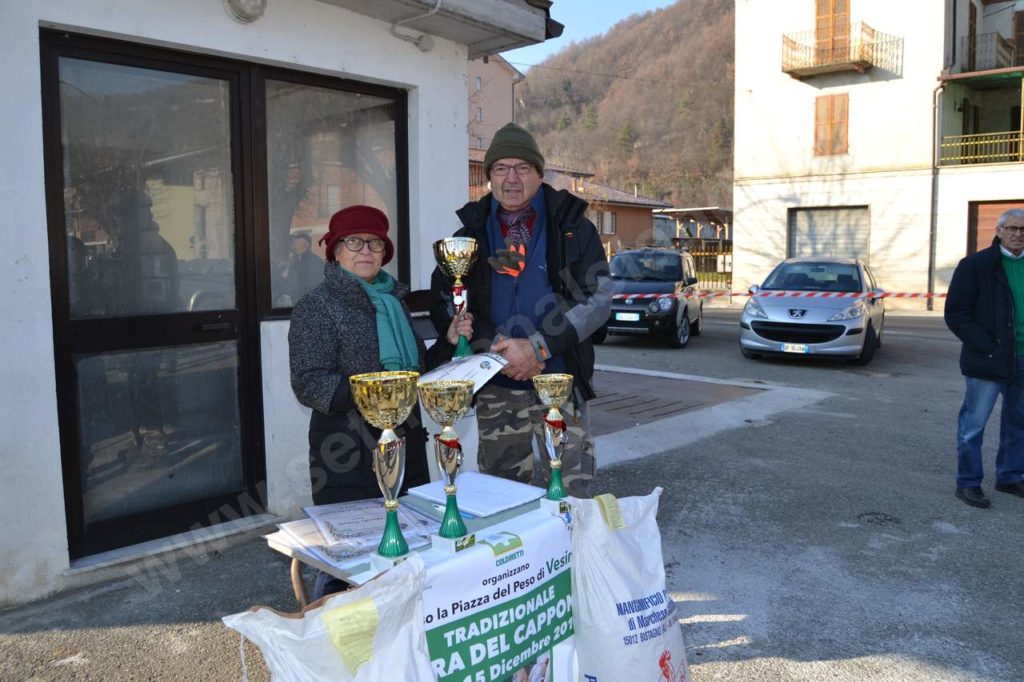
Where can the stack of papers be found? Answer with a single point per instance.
(480, 494)
(478, 368)
(342, 535)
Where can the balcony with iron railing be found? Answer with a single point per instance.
(807, 53)
(1001, 147)
(986, 51)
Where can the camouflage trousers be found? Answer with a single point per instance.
(512, 436)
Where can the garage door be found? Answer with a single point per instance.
(835, 232)
(981, 222)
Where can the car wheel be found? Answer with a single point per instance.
(868, 351)
(697, 327)
(750, 355)
(681, 334)
(881, 330)
(599, 336)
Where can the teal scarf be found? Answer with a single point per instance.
(398, 350)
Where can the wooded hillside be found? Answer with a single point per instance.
(664, 124)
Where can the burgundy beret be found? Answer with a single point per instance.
(358, 219)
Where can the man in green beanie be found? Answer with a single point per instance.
(539, 289)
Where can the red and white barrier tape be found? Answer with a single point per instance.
(781, 294)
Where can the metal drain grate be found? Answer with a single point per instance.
(626, 400)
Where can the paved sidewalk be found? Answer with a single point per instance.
(162, 620)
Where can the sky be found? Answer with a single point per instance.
(582, 19)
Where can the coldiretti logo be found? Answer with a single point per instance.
(502, 543)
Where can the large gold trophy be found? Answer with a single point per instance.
(446, 402)
(455, 256)
(554, 390)
(385, 400)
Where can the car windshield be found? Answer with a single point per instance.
(815, 277)
(651, 266)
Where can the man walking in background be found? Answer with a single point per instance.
(537, 292)
(985, 309)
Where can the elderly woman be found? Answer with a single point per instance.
(354, 322)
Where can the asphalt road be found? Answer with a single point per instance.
(816, 538)
(825, 542)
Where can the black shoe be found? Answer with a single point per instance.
(1012, 488)
(974, 496)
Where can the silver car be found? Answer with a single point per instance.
(815, 306)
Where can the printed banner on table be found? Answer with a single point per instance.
(503, 610)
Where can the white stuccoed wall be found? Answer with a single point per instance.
(301, 34)
(957, 188)
(888, 167)
(899, 223)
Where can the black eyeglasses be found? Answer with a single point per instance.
(501, 170)
(356, 244)
(1018, 229)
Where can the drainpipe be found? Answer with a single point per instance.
(424, 42)
(933, 225)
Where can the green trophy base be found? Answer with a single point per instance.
(452, 545)
(392, 544)
(452, 525)
(555, 507)
(556, 491)
(462, 348)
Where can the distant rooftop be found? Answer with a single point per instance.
(595, 192)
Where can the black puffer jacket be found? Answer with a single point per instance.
(333, 335)
(979, 310)
(576, 266)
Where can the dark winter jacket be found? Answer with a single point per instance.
(304, 273)
(979, 310)
(333, 335)
(577, 269)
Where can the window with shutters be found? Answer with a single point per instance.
(832, 31)
(831, 122)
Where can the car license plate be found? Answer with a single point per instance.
(795, 348)
(627, 317)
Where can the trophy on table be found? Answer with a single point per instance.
(554, 390)
(385, 400)
(455, 256)
(446, 402)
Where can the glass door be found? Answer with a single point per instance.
(158, 380)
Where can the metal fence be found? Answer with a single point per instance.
(858, 45)
(1000, 147)
(713, 258)
(989, 51)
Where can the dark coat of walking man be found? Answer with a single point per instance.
(538, 291)
(985, 309)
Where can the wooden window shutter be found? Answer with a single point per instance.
(822, 117)
(1018, 38)
(840, 122)
(831, 123)
(822, 30)
(972, 36)
(840, 30)
(831, 30)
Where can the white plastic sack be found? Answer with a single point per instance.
(373, 633)
(627, 627)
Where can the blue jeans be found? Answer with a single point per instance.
(326, 584)
(979, 401)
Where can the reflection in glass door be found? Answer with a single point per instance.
(326, 149)
(146, 305)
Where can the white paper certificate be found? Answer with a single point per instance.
(478, 368)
